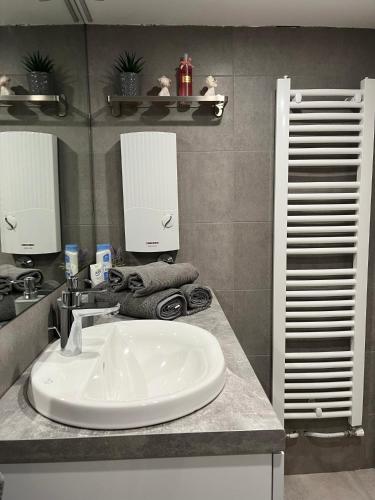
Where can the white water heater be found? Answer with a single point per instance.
(149, 177)
(29, 193)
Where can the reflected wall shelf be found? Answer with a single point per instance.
(218, 102)
(60, 100)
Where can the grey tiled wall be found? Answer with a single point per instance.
(225, 170)
(66, 45)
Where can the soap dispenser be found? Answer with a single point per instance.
(30, 295)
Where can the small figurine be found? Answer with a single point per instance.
(5, 86)
(165, 83)
(211, 85)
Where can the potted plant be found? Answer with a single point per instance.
(39, 73)
(129, 67)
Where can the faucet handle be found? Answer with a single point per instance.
(70, 299)
(73, 283)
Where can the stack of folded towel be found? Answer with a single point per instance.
(11, 279)
(10, 276)
(155, 291)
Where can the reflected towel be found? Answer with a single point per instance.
(13, 273)
(7, 308)
(5, 285)
(156, 276)
(165, 304)
(198, 297)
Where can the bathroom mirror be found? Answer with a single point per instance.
(45, 172)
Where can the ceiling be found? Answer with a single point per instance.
(339, 13)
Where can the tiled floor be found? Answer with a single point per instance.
(356, 485)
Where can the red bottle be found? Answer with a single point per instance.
(185, 76)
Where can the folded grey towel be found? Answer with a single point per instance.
(13, 273)
(5, 285)
(197, 297)
(165, 304)
(156, 276)
(7, 308)
(119, 277)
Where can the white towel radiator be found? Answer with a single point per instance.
(323, 171)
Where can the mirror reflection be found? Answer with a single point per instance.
(46, 209)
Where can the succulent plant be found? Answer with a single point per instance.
(36, 62)
(129, 63)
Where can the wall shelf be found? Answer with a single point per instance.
(218, 102)
(60, 100)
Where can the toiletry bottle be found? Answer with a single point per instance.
(185, 76)
(71, 260)
(96, 274)
(104, 258)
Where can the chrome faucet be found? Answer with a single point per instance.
(71, 312)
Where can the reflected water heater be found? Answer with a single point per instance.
(29, 193)
(149, 176)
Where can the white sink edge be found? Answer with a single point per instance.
(94, 414)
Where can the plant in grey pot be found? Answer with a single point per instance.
(129, 67)
(39, 73)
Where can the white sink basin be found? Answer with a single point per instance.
(130, 374)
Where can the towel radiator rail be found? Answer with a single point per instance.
(323, 172)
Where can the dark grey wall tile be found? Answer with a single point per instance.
(254, 99)
(253, 186)
(226, 300)
(209, 247)
(252, 321)
(213, 254)
(60, 42)
(253, 255)
(75, 184)
(162, 47)
(186, 251)
(262, 366)
(108, 190)
(303, 51)
(371, 262)
(206, 186)
(369, 386)
(370, 319)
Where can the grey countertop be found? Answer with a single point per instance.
(239, 421)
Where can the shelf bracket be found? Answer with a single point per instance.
(219, 109)
(62, 106)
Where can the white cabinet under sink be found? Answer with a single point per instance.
(241, 477)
